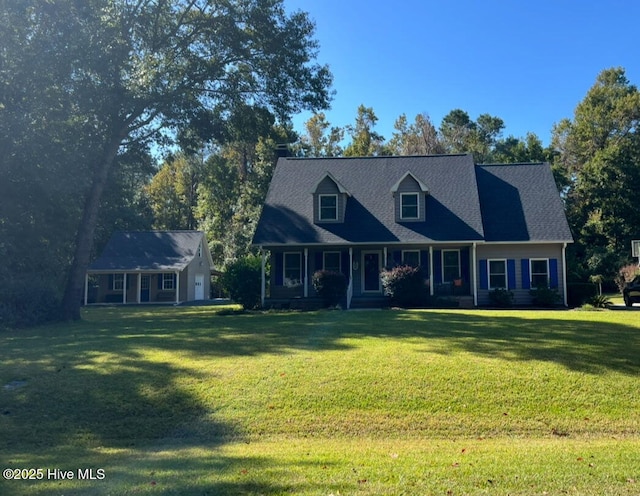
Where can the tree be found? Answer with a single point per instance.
(135, 71)
(316, 142)
(462, 135)
(599, 153)
(365, 141)
(173, 190)
(419, 138)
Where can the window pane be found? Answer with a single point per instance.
(292, 268)
(539, 273)
(450, 265)
(497, 274)
(329, 207)
(411, 258)
(409, 207)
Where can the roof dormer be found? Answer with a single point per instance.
(409, 195)
(329, 200)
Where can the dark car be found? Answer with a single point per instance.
(631, 292)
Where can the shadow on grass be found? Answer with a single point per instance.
(582, 343)
(90, 385)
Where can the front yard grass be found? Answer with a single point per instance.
(183, 401)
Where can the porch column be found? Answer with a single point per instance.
(350, 286)
(564, 274)
(306, 272)
(139, 287)
(124, 288)
(431, 270)
(474, 273)
(263, 289)
(86, 288)
(177, 287)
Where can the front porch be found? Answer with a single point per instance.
(448, 272)
(133, 288)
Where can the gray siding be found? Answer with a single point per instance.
(519, 252)
(328, 187)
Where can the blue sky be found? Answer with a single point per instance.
(528, 62)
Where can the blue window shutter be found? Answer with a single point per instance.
(484, 276)
(279, 268)
(174, 281)
(465, 268)
(397, 257)
(437, 267)
(511, 274)
(344, 261)
(553, 273)
(318, 261)
(526, 276)
(110, 282)
(160, 276)
(424, 262)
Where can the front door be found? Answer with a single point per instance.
(144, 287)
(199, 293)
(371, 271)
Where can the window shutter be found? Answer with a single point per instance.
(279, 268)
(160, 276)
(318, 261)
(110, 282)
(344, 261)
(526, 276)
(511, 274)
(484, 276)
(437, 267)
(424, 262)
(397, 257)
(553, 272)
(464, 264)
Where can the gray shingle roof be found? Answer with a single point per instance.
(453, 207)
(520, 202)
(465, 202)
(148, 250)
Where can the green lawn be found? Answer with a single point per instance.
(183, 401)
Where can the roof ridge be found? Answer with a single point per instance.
(379, 157)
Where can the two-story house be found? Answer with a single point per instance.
(471, 228)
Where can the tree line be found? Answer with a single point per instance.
(92, 92)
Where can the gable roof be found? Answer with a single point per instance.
(520, 202)
(452, 206)
(150, 250)
(466, 202)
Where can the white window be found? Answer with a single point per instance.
(292, 269)
(328, 207)
(539, 272)
(411, 257)
(118, 282)
(450, 265)
(497, 274)
(331, 261)
(167, 281)
(409, 206)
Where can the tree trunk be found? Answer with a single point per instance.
(74, 290)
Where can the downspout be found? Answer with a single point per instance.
(263, 290)
(124, 289)
(139, 287)
(431, 270)
(564, 274)
(306, 273)
(177, 287)
(474, 273)
(86, 288)
(350, 286)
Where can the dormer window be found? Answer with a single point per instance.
(410, 199)
(328, 207)
(409, 206)
(329, 200)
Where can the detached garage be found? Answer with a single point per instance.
(151, 267)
